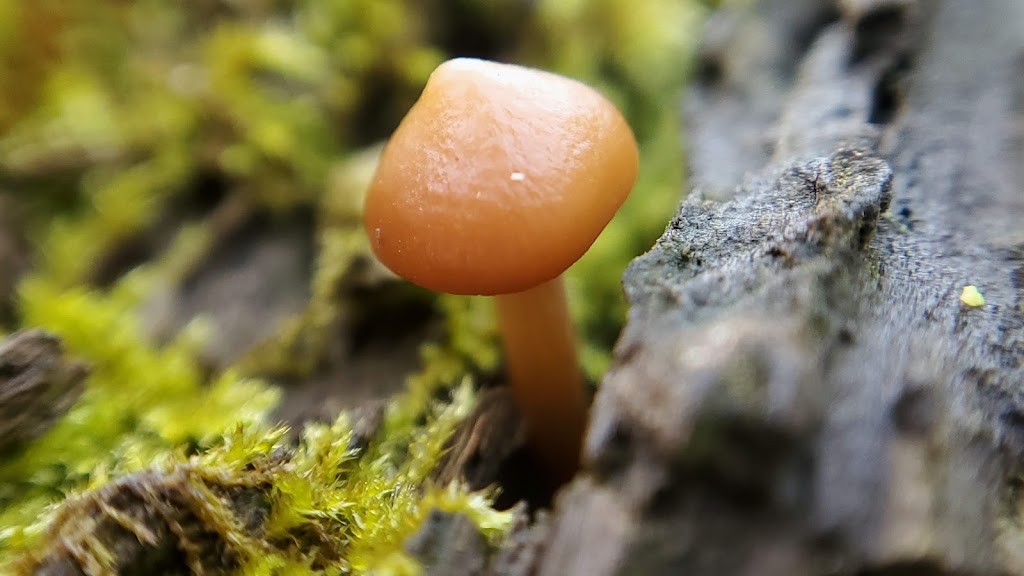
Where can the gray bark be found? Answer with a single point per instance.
(799, 389)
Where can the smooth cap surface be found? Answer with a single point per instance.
(498, 179)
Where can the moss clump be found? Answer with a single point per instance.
(254, 502)
(360, 506)
(140, 401)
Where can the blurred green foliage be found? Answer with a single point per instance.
(113, 114)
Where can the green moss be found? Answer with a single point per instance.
(329, 509)
(146, 405)
(365, 506)
(140, 401)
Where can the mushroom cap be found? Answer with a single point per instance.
(498, 179)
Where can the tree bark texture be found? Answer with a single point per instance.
(799, 389)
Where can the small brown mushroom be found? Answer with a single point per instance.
(498, 179)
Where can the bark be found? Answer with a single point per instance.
(799, 389)
(38, 384)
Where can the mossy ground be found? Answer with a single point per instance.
(112, 114)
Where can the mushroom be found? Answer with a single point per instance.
(497, 180)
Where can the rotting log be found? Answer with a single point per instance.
(799, 389)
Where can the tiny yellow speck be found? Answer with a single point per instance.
(971, 297)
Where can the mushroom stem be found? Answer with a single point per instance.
(540, 356)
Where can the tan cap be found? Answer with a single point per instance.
(498, 179)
